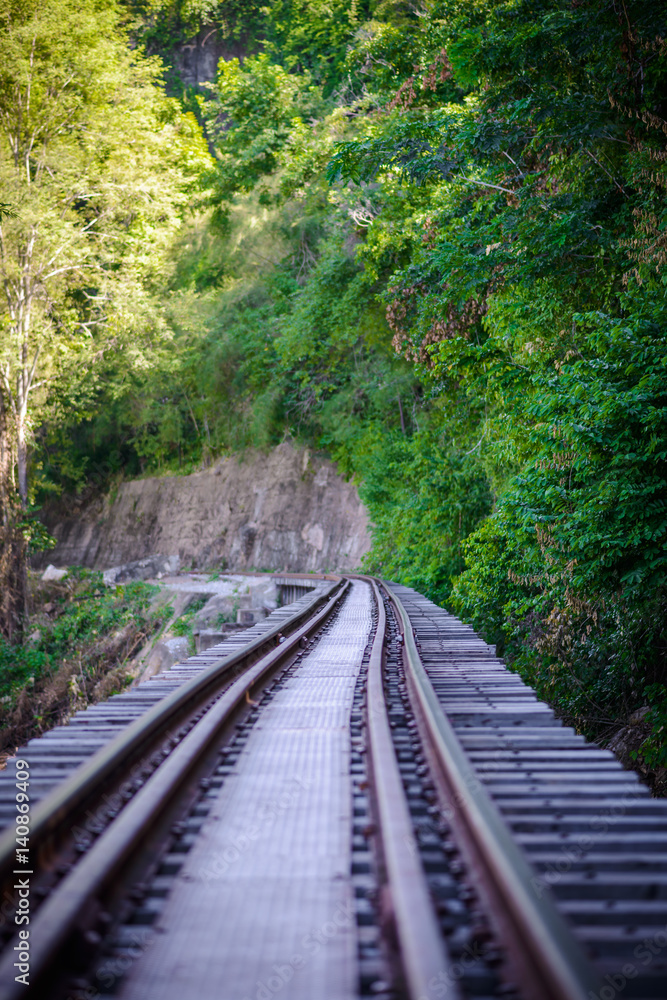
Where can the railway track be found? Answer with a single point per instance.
(354, 799)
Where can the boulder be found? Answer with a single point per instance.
(167, 653)
(154, 567)
(52, 575)
(259, 596)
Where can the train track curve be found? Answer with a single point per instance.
(355, 799)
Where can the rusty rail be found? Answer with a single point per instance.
(75, 904)
(422, 951)
(546, 959)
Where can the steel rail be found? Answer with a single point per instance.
(58, 810)
(423, 956)
(545, 957)
(72, 904)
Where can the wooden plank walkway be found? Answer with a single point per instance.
(264, 901)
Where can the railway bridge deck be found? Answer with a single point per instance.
(353, 798)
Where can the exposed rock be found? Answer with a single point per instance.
(256, 596)
(208, 637)
(196, 61)
(166, 653)
(178, 598)
(627, 743)
(287, 510)
(53, 575)
(155, 567)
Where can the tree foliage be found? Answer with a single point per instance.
(432, 244)
(97, 168)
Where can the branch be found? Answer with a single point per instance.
(611, 178)
(32, 370)
(7, 388)
(478, 443)
(486, 184)
(61, 270)
(250, 250)
(62, 247)
(93, 322)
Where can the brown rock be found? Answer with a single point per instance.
(286, 510)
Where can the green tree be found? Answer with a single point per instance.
(97, 168)
(530, 285)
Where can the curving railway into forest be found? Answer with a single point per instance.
(353, 798)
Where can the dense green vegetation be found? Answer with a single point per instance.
(430, 240)
(97, 167)
(82, 635)
(81, 615)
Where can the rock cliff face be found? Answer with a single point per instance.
(287, 510)
(196, 61)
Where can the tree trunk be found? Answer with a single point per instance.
(13, 549)
(22, 463)
(400, 410)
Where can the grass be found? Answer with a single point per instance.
(183, 626)
(79, 640)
